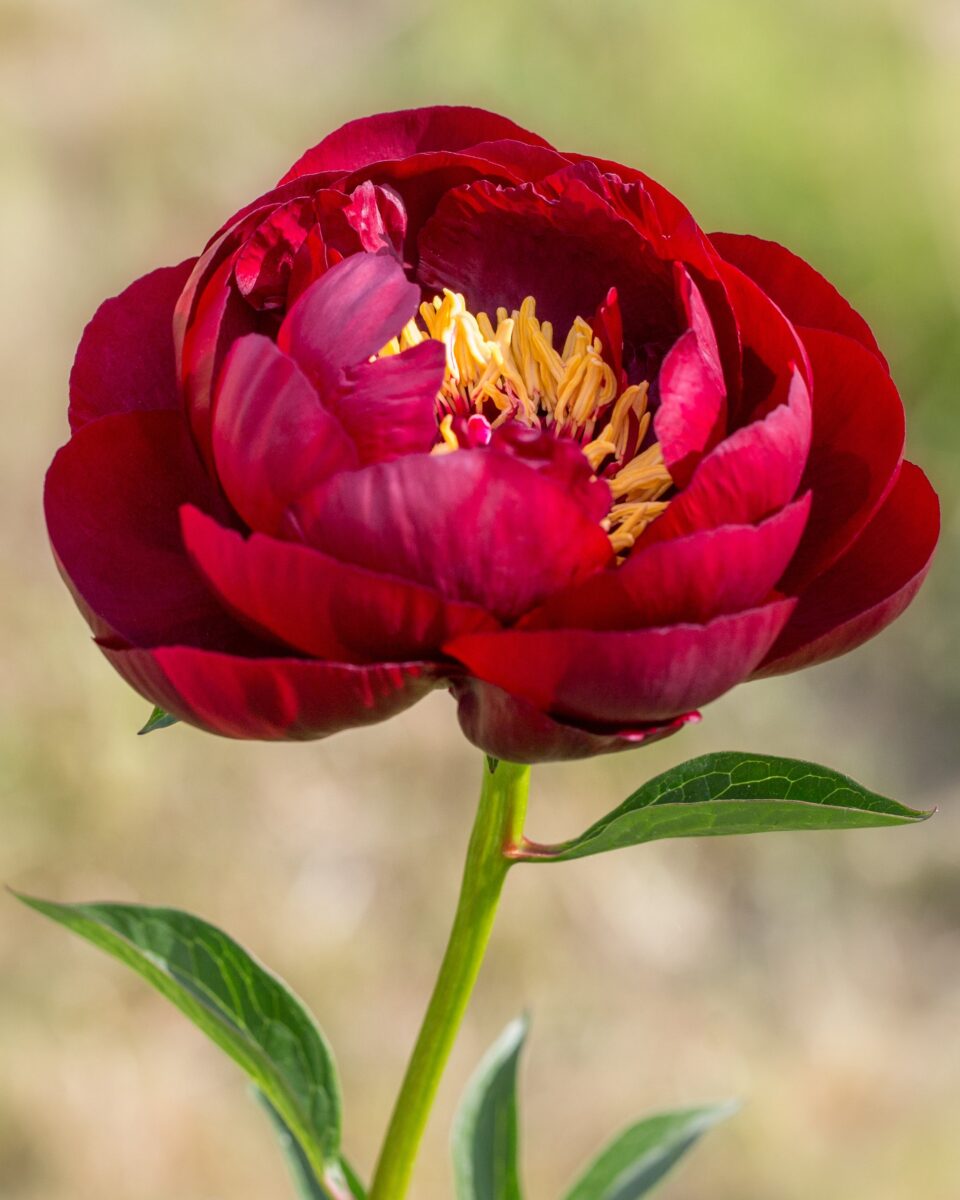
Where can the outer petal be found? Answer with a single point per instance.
(272, 438)
(510, 728)
(858, 433)
(694, 578)
(614, 678)
(477, 526)
(112, 498)
(400, 134)
(870, 586)
(270, 699)
(320, 606)
(795, 287)
(125, 360)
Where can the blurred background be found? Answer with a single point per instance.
(816, 977)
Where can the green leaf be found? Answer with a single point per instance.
(238, 1004)
(158, 720)
(731, 792)
(641, 1156)
(485, 1134)
(340, 1182)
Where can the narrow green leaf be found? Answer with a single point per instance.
(485, 1132)
(642, 1155)
(158, 720)
(238, 1004)
(340, 1182)
(727, 793)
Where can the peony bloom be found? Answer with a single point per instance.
(449, 408)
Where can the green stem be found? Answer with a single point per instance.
(497, 831)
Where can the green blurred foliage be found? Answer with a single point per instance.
(817, 977)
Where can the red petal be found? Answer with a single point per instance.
(125, 360)
(858, 432)
(476, 526)
(270, 699)
(870, 586)
(613, 678)
(272, 437)
(795, 287)
(558, 241)
(349, 314)
(400, 134)
(510, 728)
(752, 474)
(319, 605)
(693, 578)
(112, 498)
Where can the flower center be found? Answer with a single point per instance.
(513, 372)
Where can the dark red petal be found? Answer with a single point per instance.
(558, 241)
(795, 287)
(125, 360)
(262, 265)
(112, 499)
(349, 314)
(389, 407)
(870, 586)
(319, 605)
(510, 728)
(272, 437)
(270, 699)
(614, 678)
(858, 433)
(692, 409)
(476, 526)
(694, 578)
(752, 474)
(400, 134)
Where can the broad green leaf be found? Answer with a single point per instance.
(485, 1133)
(340, 1182)
(158, 720)
(732, 792)
(237, 1003)
(641, 1156)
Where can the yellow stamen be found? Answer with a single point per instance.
(511, 370)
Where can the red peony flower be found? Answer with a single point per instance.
(449, 408)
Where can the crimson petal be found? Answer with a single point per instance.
(125, 361)
(637, 676)
(795, 287)
(476, 525)
(870, 586)
(270, 699)
(321, 606)
(272, 438)
(510, 728)
(112, 498)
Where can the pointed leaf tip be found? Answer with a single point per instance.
(158, 720)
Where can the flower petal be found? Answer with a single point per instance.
(411, 131)
(112, 498)
(270, 699)
(510, 728)
(857, 446)
(637, 676)
(870, 586)
(477, 526)
(272, 438)
(125, 361)
(690, 579)
(795, 287)
(321, 606)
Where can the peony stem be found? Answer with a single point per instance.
(497, 830)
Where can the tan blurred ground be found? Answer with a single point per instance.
(816, 977)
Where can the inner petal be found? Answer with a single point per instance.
(510, 369)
